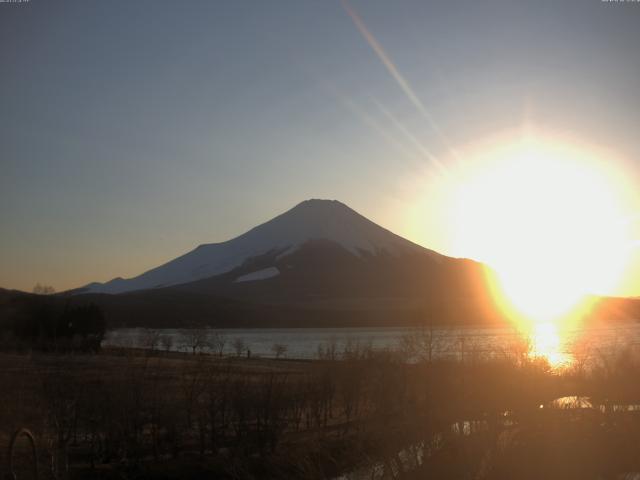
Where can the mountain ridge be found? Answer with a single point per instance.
(319, 264)
(309, 220)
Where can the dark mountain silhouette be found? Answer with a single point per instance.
(318, 264)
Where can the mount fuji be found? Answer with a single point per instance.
(320, 263)
(310, 221)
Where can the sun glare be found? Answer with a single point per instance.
(547, 341)
(548, 218)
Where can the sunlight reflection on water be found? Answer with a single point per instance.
(546, 342)
(562, 347)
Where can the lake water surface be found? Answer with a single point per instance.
(307, 343)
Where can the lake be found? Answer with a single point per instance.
(561, 348)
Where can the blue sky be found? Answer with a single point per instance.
(132, 131)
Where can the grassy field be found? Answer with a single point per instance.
(141, 414)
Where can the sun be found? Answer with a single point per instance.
(549, 218)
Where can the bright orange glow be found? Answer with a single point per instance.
(555, 221)
(548, 219)
(552, 218)
(547, 341)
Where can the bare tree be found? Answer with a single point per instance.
(195, 339)
(192, 385)
(150, 339)
(217, 341)
(279, 349)
(167, 342)
(60, 393)
(43, 289)
(239, 346)
(329, 350)
(421, 345)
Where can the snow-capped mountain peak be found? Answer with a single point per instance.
(310, 220)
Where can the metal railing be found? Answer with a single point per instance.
(11, 475)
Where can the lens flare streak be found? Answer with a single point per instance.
(395, 73)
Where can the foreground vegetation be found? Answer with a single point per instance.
(357, 414)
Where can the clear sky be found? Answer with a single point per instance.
(132, 131)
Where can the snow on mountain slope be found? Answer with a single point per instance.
(263, 274)
(309, 220)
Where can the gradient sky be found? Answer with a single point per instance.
(132, 131)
